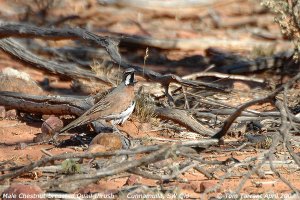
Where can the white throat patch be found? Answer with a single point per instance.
(127, 80)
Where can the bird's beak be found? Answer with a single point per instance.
(134, 82)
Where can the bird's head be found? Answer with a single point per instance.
(128, 76)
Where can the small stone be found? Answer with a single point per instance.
(189, 186)
(133, 180)
(11, 114)
(49, 128)
(8, 71)
(206, 185)
(18, 81)
(110, 141)
(21, 146)
(195, 186)
(51, 125)
(20, 191)
(95, 148)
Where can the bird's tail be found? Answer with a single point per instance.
(73, 124)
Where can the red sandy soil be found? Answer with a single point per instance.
(13, 132)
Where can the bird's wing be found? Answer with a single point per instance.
(102, 95)
(101, 105)
(86, 117)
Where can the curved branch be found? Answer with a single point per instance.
(111, 46)
(270, 98)
(16, 50)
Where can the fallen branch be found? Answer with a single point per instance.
(29, 31)
(284, 131)
(270, 98)
(15, 49)
(181, 117)
(44, 104)
(76, 106)
(71, 183)
(203, 143)
(223, 76)
(176, 173)
(194, 44)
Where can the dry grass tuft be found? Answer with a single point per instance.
(108, 70)
(145, 107)
(70, 166)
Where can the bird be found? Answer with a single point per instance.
(116, 106)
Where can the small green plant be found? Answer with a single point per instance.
(265, 144)
(145, 107)
(69, 166)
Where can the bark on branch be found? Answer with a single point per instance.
(16, 50)
(44, 104)
(143, 149)
(76, 106)
(181, 117)
(111, 46)
(269, 98)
